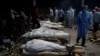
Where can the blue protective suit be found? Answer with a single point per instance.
(83, 22)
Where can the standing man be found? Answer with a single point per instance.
(61, 15)
(96, 21)
(51, 14)
(84, 19)
(35, 18)
(70, 17)
(55, 14)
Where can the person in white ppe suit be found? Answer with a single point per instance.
(55, 14)
(70, 17)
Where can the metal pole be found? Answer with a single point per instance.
(34, 2)
(82, 2)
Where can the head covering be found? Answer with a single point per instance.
(84, 7)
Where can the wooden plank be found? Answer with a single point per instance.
(79, 51)
(76, 54)
(45, 53)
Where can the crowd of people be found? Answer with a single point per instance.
(85, 20)
(59, 15)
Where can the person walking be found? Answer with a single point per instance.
(84, 19)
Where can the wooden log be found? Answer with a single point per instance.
(97, 40)
(48, 54)
(79, 51)
(76, 54)
(78, 47)
(90, 37)
(45, 53)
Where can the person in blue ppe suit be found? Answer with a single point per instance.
(84, 20)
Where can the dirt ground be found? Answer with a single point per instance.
(92, 49)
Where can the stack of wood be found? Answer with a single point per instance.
(96, 38)
(13, 51)
(78, 51)
(90, 35)
(62, 52)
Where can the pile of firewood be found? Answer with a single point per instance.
(13, 50)
(96, 38)
(79, 51)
